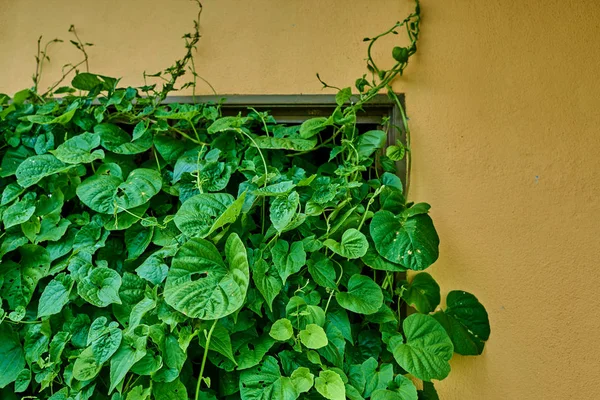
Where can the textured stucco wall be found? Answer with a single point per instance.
(504, 100)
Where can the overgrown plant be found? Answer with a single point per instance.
(156, 251)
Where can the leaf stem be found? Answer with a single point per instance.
(206, 347)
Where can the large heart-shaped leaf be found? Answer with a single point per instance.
(364, 296)
(412, 242)
(466, 321)
(427, 349)
(330, 385)
(288, 259)
(118, 141)
(283, 209)
(401, 388)
(200, 284)
(108, 194)
(288, 143)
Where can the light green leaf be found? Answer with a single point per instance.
(401, 389)
(86, 367)
(201, 285)
(204, 213)
(343, 96)
(313, 337)
(12, 359)
(423, 293)
(108, 194)
(139, 393)
(466, 321)
(265, 382)
(11, 192)
(55, 296)
(427, 349)
(79, 149)
(288, 259)
(100, 287)
(283, 209)
(354, 244)
(364, 296)
(369, 142)
(313, 126)
(412, 242)
(36, 168)
(376, 376)
(282, 330)
(330, 385)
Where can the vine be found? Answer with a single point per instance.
(148, 248)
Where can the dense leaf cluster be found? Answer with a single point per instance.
(155, 251)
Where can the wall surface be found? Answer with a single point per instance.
(504, 101)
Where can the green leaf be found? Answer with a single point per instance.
(343, 96)
(423, 293)
(267, 280)
(86, 81)
(36, 168)
(265, 382)
(100, 287)
(19, 212)
(428, 392)
(115, 139)
(170, 391)
(354, 244)
(395, 152)
(375, 261)
(220, 340)
(330, 385)
(427, 349)
(79, 149)
(288, 259)
(139, 393)
(12, 358)
(22, 381)
(376, 377)
(466, 321)
(21, 280)
(86, 367)
(322, 271)
(282, 330)
(401, 389)
(283, 209)
(412, 242)
(364, 296)
(313, 126)
(288, 143)
(55, 296)
(125, 357)
(369, 142)
(137, 239)
(204, 213)
(11, 192)
(313, 337)
(200, 285)
(108, 194)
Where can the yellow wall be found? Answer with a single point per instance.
(504, 100)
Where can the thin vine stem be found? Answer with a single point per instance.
(201, 375)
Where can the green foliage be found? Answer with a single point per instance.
(163, 251)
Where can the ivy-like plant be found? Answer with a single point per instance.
(166, 252)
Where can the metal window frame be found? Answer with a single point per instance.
(294, 109)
